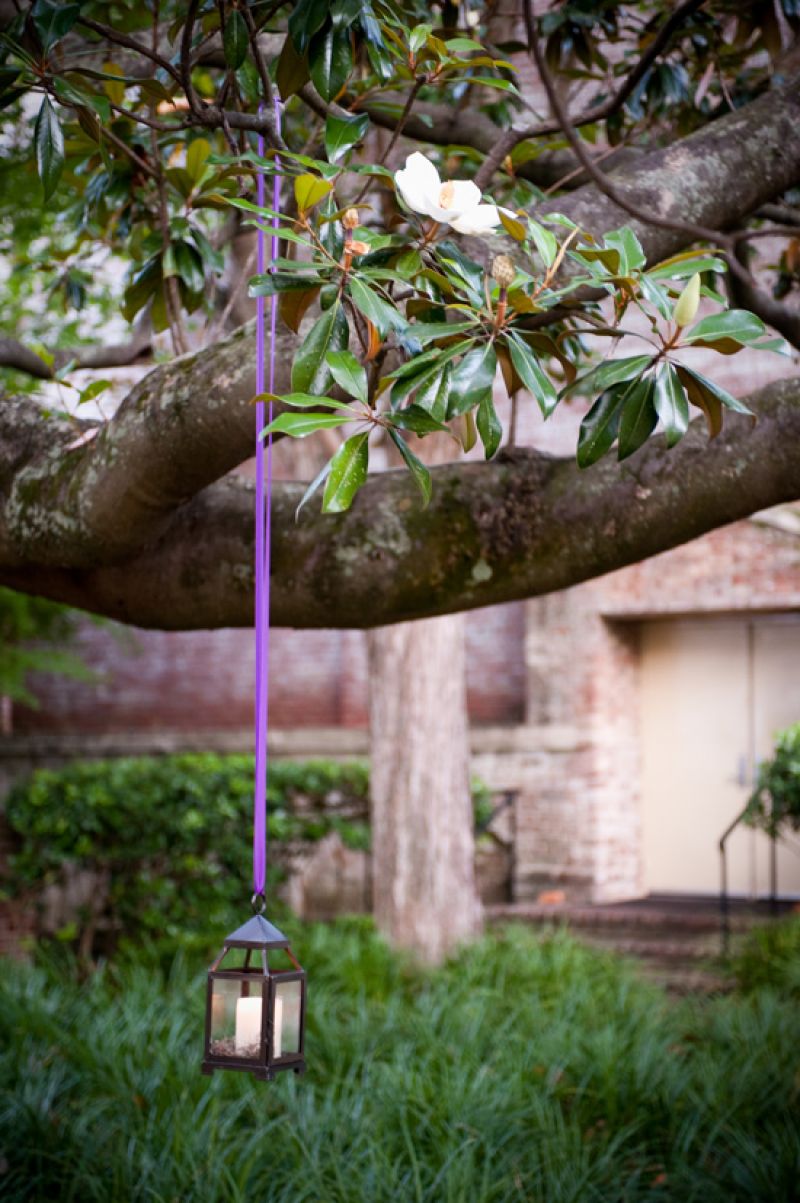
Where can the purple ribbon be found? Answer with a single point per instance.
(263, 528)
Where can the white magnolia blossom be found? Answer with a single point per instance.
(456, 202)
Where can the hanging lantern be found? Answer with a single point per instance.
(255, 1011)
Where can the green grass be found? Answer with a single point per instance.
(524, 1070)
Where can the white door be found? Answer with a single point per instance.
(713, 693)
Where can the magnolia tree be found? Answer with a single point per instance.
(462, 189)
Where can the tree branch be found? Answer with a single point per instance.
(14, 354)
(520, 527)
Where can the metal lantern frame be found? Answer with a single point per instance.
(258, 937)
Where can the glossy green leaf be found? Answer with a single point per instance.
(311, 372)
(306, 18)
(715, 390)
(49, 143)
(512, 226)
(330, 61)
(348, 473)
(235, 39)
(421, 475)
(600, 426)
(638, 418)
(705, 400)
(348, 373)
(343, 132)
(270, 283)
(309, 190)
(631, 255)
(382, 315)
(307, 401)
(426, 332)
(291, 73)
(545, 242)
(197, 154)
(489, 427)
(418, 420)
(418, 37)
(472, 380)
(53, 19)
(615, 371)
(433, 396)
(671, 404)
(298, 426)
(532, 375)
(738, 325)
(686, 264)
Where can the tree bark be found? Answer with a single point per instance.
(425, 897)
(521, 526)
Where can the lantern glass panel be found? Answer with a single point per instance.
(236, 1018)
(288, 1001)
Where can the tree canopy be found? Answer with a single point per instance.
(462, 190)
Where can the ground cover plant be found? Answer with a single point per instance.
(523, 1070)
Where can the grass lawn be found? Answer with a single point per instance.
(524, 1070)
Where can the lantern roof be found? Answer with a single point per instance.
(257, 932)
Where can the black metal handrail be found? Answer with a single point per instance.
(724, 898)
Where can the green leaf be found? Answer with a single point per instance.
(530, 372)
(433, 396)
(686, 264)
(614, 371)
(703, 399)
(347, 475)
(631, 255)
(291, 73)
(489, 427)
(309, 190)
(512, 226)
(472, 380)
(53, 19)
(418, 37)
(311, 372)
(419, 420)
(330, 61)
(709, 389)
(599, 427)
(343, 132)
(49, 143)
(736, 325)
(638, 419)
(307, 401)
(426, 332)
(270, 283)
(306, 18)
(348, 373)
(671, 404)
(196, 155)
(545, 242)
(235, 40)
(421, 475)
(382, 315)
(300, 425)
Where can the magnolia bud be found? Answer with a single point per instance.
(503, 271)
(350, 219)
(686, 305)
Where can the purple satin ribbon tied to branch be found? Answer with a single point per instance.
(263, 529)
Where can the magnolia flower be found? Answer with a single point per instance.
(456, 202)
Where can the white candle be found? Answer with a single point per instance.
(248, 1023)
(277, 1030)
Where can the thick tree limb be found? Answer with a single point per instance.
(520, 527)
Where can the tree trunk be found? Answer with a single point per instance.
(424, 892)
